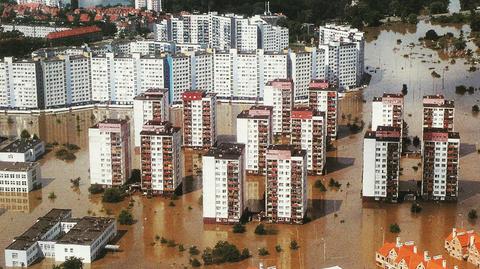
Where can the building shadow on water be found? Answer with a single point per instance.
(344, 131)
(318, 208)
(466, 149)
(46, 181)
(335, 164)
(467, 189)
(191, 184)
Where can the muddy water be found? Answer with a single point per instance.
(343, 230)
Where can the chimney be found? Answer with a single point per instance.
(415, 249)
(444, 263)
(425, 256)
(454, 232)
(472, 240)
(455, 267)
(399, 244)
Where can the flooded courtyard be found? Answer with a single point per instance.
(343, 231)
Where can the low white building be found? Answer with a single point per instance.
(21, 150)
(223, 183)
(39, 31)
(58, 236)
(19, 176)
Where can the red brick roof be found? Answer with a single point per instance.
(74, 32)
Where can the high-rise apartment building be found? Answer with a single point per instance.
(224, 183)
(178, 77)
(109, 152)
(150, 105)
(387, 111)
(300, 71)
(54, 83)
(278, 94)
(199, 119)
(160, 157)
(254, 129)
(286, 184)
(440, 162)
(324, 98)
(438, 112)
(381, 163)
(309, 132)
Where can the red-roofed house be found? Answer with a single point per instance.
(405, 256)
(464, 245)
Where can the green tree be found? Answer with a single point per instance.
(260, 229)
(395, 228)
(294, 245)
(70, 263)
(25, 134)
(125, 217)
(238, 228)
(113, 195)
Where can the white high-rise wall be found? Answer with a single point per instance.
(54, 83)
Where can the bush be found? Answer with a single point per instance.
(395, 228)
(70, 263)
(221, 253)
(95, 189)
(415, 208)
(278, 248)
(334, 184)
(412, 19)
(52, 195)
(475, 109)
(125, 217)
(263, 252)
(245, 254)
(24, 134)
(181, 248)
(113, 195)
(238, 228)
(195, 262)
(65, 155)
(294, 245)
(472, 214)
(416, 142)
(260, 229)
(193, 250)
(319, 185)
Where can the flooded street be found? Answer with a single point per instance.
(343, 231)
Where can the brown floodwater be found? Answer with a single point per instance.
(343, 231)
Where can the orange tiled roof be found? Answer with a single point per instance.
(385, 249)
(74, 32)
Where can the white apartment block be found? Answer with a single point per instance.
(309, 132)
(38, 31)
(248, 79)
(222, 32)
(58, 236)
(160, 157)
(109, 152)
(175, 30)
(21, 84)
(324, 98)
(199, 119)
(301, 72)
(160, 30)
(345, 38)
(438, 112)
(286, 184)
(440, 162)
(197, 28)
(50, 3)
(179, 78)
(154, 5)
(224, 183)
(119, 78)
(77, 76)
(387, 111)
(246, 35)
(278, 94)
(21, 150)
(202, 72)
(273, 65)
(54, 83)
(254, 129)
(340, 61)
(19, 177)
(381, 163)
(223, 66)
(150, 105)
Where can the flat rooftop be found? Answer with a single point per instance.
(37, 230)
(226, 151)
(153, 127)
(17, 166)
(20, 145)
(152, 94)
(294, 150)
(87, 230)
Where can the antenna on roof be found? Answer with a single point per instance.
(267, 8)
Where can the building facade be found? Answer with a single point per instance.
(19, 177)
(254, 129)
(279, 95)
(150, 105)
(324, 98)
(381, 163)
(160, 157)
(109, 152)
(387, 111)
(286, 184)
(309, 132)
(224, 183)
(438, 112)
(199, 119)
(440, 162)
